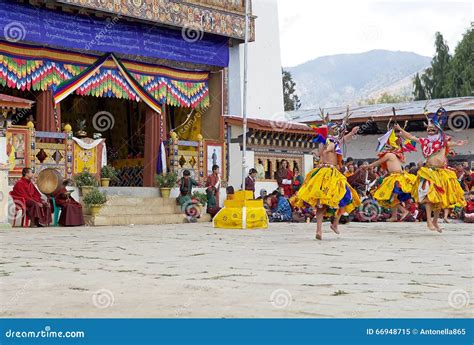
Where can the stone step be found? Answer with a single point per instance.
(137, 192)
(147, 209)
(139, 202)
(141, 219)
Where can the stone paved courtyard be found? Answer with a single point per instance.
(371, 270)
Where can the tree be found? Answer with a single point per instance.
(290, 98)
(448, 76)
(461, 77)
(433, 82)
(440, 66)
(419, 90)
(386, 98)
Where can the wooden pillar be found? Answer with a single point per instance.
(45, 117)
(152, 146)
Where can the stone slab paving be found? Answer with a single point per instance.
(194, 270)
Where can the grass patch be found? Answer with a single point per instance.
(339, 293)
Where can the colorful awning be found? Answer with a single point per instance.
(28, 67)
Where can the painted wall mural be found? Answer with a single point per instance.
(225, 21)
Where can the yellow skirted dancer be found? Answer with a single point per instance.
(395, 188)
(241, 212)
(436, 186)
(440, 187)
(327, 186)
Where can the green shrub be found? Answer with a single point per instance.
(85, 178)
(95, 197)
(108, 171)
(169, 180)
(201, 197)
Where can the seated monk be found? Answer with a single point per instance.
(38, 210)
(71, 210)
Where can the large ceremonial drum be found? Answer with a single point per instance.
(49, 181)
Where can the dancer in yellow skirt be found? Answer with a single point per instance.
(398, 185)
(325, 187)
(436, 185)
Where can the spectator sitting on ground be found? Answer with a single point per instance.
(230, 192)
(263, 193)
(469, 209)
(280, 209)
(212, 207)
(298, 215)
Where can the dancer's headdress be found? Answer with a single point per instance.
(339, 128)
(388, 142)
(438, 119)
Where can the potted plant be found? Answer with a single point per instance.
(107, 173)
(94, 201)
(200, 197)
(81, 128)
(165, 182)
(85, 181)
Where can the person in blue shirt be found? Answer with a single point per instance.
(280, 209)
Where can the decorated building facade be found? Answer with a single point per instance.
(116, 82)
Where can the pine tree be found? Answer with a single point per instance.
(433, 83)
(440, 68)
(290, 98)
(419, 89)
(461, 77)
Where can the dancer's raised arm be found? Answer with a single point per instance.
(378, 162)
(349, 135)
(404, 133)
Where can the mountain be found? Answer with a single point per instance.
(349, 78)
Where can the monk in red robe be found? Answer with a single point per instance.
(71, 210)
(37, 209)
(214, 180)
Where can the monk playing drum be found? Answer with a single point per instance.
(71, 210)
(38, 210)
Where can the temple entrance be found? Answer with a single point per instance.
(121, 123)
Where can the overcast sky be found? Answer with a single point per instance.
(313, 28)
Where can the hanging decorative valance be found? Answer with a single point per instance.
(37, 68)
(69, 86)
